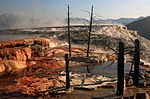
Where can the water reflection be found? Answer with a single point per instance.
(14, 36)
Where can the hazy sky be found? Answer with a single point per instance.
(57, 8)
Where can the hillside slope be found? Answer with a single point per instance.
(142, 26)
(12, 21)
(8, 21)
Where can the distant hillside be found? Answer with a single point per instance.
(122, 21)
(78, 21)
(11, 21)
(142, 26)
(15, 21)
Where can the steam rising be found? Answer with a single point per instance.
(43, 17)
(31, 15)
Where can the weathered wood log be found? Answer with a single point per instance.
(120, 69)
(136, 63)
(67, 71)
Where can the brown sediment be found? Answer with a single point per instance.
(25, 65)
(25, 42)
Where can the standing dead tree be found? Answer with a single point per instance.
(89, 37)
(120, 69)
(69, 42)
(67, 71)
(136, 62)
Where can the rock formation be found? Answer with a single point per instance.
(26, 42)
(19, 54)
(11, 67)
(36, 58)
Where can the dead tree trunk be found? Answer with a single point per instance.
(136, 62)
(89, 37)
(69, 31)
(67, 71)
(120, 69)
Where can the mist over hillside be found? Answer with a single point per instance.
(12, 21)
(15, 21)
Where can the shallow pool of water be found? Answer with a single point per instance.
(14, 36)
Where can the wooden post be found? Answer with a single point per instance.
(67, 71)
(136, 62)
(69, 32)
(120, 69)
(89, 37)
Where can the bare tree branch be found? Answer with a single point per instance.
(108, 66)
